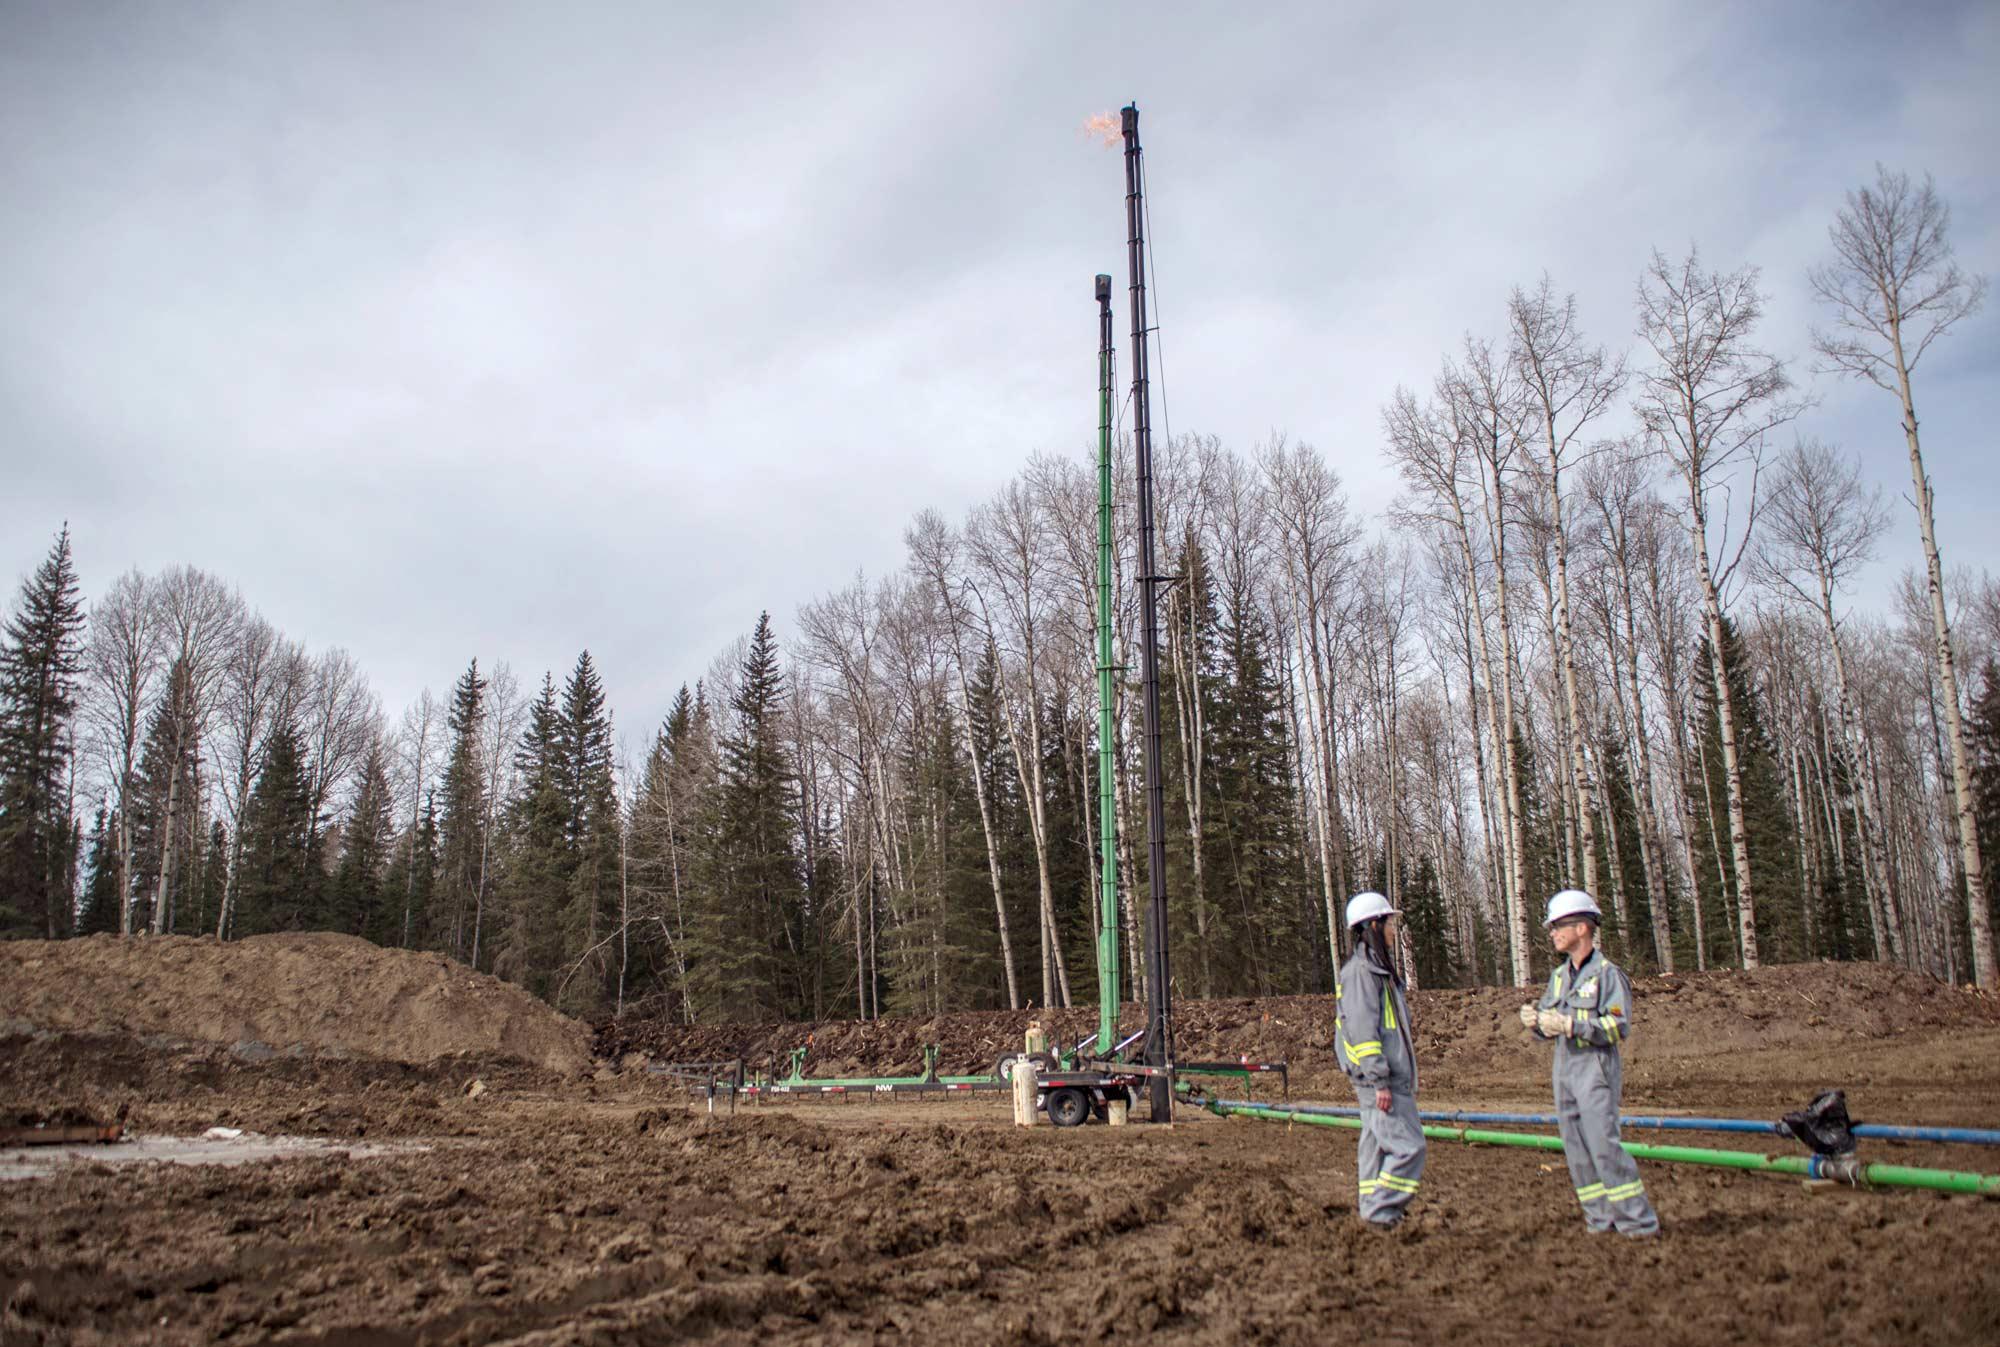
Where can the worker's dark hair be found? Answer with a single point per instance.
(1370, 933)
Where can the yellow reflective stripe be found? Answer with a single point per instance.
(1370, 1185)
(1609, 1024)
(1625, 1190)
(1356, 1051)
(1400, 1185)
(1590, 1192)
(1388, 1010)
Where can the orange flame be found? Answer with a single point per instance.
(1105, 128)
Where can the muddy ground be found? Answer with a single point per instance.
(552, 1208)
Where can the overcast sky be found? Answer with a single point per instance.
(452, 329)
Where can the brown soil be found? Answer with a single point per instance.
(315, 993)
(554, 1210)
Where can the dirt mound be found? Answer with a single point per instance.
(1465, 1038)
(307, 994)
(191, 1086)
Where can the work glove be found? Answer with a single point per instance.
(1553, 1023)
(1527, 1016)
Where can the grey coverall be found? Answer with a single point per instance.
(1372, 1035)
(1589, 1085)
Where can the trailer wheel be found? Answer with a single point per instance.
(1004, 1068)
(1069, 1107)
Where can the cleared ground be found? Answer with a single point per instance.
(575, 1209)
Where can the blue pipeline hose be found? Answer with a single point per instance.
(1971, 1136)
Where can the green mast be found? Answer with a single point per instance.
(1107, 805)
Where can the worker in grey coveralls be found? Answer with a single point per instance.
(1372, 1035)
(1587, 1010)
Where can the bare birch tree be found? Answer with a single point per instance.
(1316, 536)
(1820, 526)
(199, 618)
(506, 716)
(1707, 402)
(421, 744)
(1615, 488)
(1488, 409)
(935, 557)
(1008, 542)
(123, 659)
(1895, 287)
(1570, 384)
(261, 684)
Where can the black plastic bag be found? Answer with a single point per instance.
(1823, 1125)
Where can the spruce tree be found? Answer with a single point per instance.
(537, 864)
(661, 855)
(211, 882)
(1545, 869)
(916, 951)
(359, 903)
(462, 810)
(273, 885)
(1430, 928)
(713, 938)
(1768, 823)
(1256, 840)
(98, 911)
(771, 953)
(591, 830)
(1634, 947)
(414, 875)
(658, 943)
(40, 658)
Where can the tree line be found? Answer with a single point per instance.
(1605, 637)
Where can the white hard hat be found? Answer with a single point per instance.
(1572, 903)
(1366, 907)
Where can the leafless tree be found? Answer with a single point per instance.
(199, 619)
(122, 663)
(1315, 539)
(1707, 401)
(1820, 526)
(506, 716)
(263, 680)
(1570, 384)
(1488, 408)
(1009, 544)
(422, 745)
(338, 718)
(1615, 487)
(1895, 287)
(935, 557)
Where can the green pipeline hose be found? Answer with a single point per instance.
(1804, 1166)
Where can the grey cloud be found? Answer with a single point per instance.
(492, 329)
